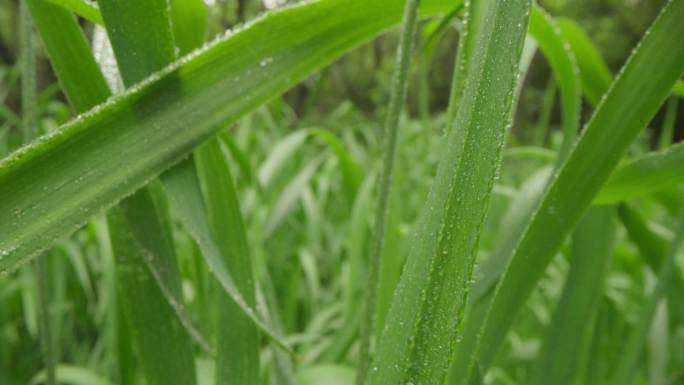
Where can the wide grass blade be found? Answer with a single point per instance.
(629, 105)
(419, 335)
(50, 188)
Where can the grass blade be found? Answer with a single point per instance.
(399, 88)
(187, 201)
(83, 8)
(30, 130)
(237, 358)
(64, 41)
(419, 335)
(565, 71)
(595, 74)
(667, 130)
(568, 332)
(630, 103)
(149, 312)
(149, 128)
(645, 175)
(139, 53)
(189, 20)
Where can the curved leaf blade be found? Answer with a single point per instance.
(54, 185)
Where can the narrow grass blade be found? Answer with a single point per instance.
(667, 130)
(565, 71)
(29, 129)
(51, 187)
(474, 22)
(290, 195)
(630, 103)
(628, 363)
(189, 20)
(595, 74)
(419, 336)
(352, 173)
(27, 67)
(83, 8)
(237, 358)
(151, 228)
(70, 55)
(678, 89)
(399, 88)
(44, 318)
(150, 315)
(569, 330)
(645, 175)
(186, 200)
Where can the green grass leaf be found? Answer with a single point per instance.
(187, 202)
(53, 186)
(595, 74)
(630, 103)
(139, 53)
(570, 329)
(84, 8)
(399, 89)
(148, 311)
(645, 175)
(565, 71)
(70, 55)
(237, 355)
(419, 335)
